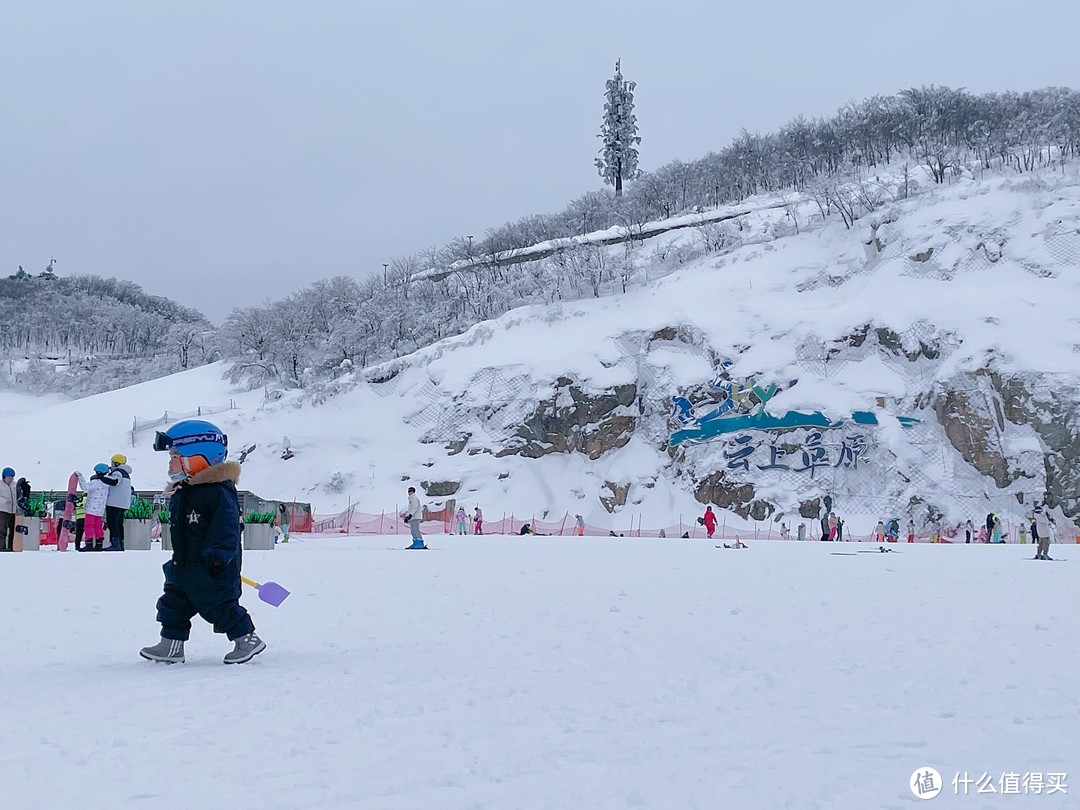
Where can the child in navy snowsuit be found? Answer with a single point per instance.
(203, 575)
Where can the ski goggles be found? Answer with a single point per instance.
(162, 441)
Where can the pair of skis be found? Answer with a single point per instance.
(879, 550)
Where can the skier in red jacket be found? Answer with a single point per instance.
(710, 521)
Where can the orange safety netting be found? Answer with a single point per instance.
(354, 521)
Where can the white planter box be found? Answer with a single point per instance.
(166, 537)
(258, 537)
(31, 541)
(137, 535)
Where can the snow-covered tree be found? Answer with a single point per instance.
(618, 159)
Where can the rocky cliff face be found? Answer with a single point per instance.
(574, 420)
(1002, 442)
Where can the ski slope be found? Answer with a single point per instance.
(499, 673)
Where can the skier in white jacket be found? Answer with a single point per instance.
(413, 514)
(97, 493)
(1047, 535)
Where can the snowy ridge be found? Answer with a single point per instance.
(982, 272)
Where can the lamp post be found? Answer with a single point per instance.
(385, 265)
(470, 245)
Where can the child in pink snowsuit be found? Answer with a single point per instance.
(97, 492)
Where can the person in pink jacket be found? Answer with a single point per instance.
(478, 521)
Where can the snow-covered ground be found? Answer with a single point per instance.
(548, 673)
(13, 403)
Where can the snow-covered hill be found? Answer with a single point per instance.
(958, 309)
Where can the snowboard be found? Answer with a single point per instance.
(21, 531)
(22, 505)
(67, 528)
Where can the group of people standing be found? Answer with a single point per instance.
(105, 496)
(832, 527)
(108, 495)
(1041, 527)
(462, 519)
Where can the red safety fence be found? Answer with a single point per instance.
(353, 521)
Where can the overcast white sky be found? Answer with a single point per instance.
(225, 152)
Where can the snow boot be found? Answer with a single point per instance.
(247, 647)
(418, 543)
(168, 651)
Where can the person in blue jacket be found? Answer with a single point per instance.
(203, 575)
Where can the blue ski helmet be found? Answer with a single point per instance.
(193, 440)
(101, 468)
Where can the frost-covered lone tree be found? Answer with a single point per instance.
(618, 157)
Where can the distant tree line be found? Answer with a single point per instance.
(106, 333)
(114, 333)
(442, 291)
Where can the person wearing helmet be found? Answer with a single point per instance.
(203, 575)
(97, 494)
(7, 509)
(119, 500)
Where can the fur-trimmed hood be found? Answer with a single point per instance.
(226, 471)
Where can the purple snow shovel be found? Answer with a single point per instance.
(269, 592)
